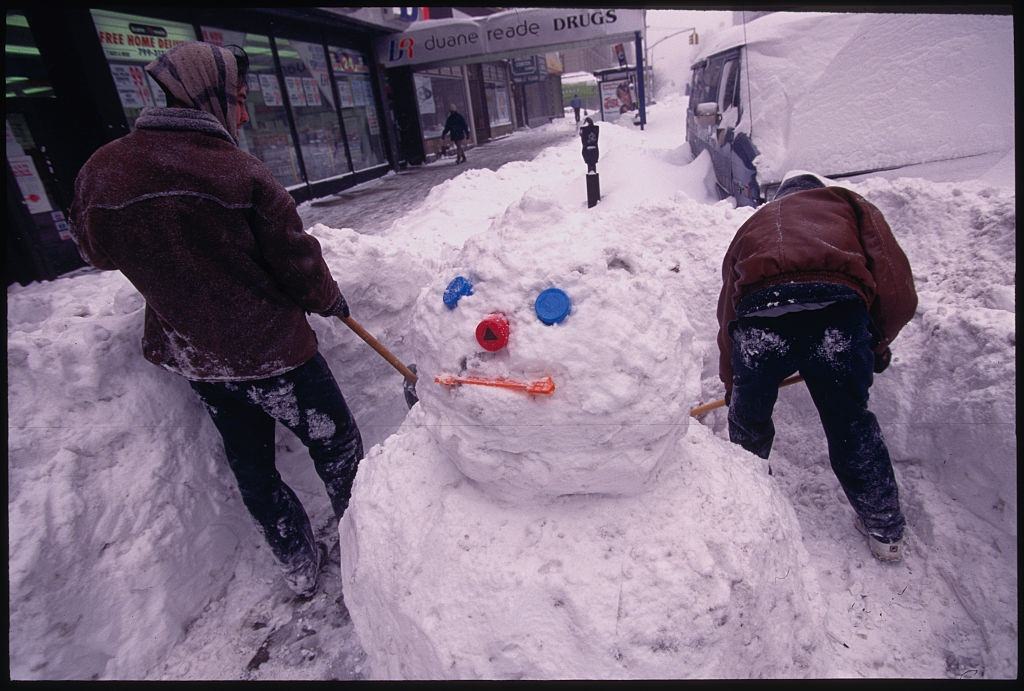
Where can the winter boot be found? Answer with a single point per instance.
(303, 579)
(883, 551)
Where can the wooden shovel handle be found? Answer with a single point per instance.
(708, 407)
(376, 345)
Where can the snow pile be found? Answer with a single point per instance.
(585, 534)
(839, 93)
(122, 526)
(125, 521)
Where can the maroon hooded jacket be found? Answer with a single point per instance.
(827, 235)
(209, 237)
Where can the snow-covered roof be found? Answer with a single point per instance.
(578, 77)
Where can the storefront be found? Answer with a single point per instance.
(507, 59)
(480, 92)
(315, 103)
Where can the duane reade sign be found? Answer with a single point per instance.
(505, 32)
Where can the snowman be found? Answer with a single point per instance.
(548, 510)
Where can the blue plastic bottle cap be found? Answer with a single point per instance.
(552, 306)
(459, 286)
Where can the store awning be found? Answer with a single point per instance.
(506, 34)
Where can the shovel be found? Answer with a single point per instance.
(708, 407)
(408, 372)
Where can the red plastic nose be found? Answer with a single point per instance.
(492, 332)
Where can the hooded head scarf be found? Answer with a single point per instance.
(202, 76)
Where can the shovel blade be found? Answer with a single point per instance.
(409, 389)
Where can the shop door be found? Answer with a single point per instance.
(39, 156)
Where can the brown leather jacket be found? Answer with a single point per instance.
(827, 235)
(211, 240)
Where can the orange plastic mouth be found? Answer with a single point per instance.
(543, 387)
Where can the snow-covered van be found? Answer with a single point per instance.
(844, 94)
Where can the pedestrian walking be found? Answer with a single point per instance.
(214, 244)
(576, 104)
(815, 282)
(456, 127)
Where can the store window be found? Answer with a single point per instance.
(267, 135)
(436, 90)
(129, 43)
(358, 108)
(308, 86)
(24, 73)
(27, 78)
(496, 91)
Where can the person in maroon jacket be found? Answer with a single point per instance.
(815, 282)
(214, 244)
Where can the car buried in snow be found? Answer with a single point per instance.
(849, 94)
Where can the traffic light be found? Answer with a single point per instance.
(694, 39)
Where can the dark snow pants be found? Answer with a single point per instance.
(831, 348)
(307, 401)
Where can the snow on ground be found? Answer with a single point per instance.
(131, 555)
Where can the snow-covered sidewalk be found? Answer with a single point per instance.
(131, 555)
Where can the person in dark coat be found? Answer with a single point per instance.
(815, 282)
(576, 104)
(459, 130)
(214, 244)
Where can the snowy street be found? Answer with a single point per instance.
(132, 556)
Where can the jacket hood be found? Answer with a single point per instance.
(202, 76)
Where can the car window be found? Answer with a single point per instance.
(727, 92)
(712, 75)
(696, 85)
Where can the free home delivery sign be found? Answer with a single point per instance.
(515, 30)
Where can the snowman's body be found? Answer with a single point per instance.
(589, 533)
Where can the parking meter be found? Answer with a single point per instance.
(589, 134)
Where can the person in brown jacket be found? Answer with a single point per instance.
(214, 244)
(815, 282)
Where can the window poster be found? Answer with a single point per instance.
(312, 91)
(131, 38)
(371, 120)
(132, 88)
(425, 94)
(253, 81)
(158, 94)
(295, 93)
(271, 89)
(345, 94)
(31, 185)
(362, 93)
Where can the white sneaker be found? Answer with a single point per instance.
(882, 551)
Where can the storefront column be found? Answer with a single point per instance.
(469, 103)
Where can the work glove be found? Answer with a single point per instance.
(728, 396)
(338, 309)
(882, 360)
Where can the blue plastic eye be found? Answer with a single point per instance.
(459, 286)
(552, 306)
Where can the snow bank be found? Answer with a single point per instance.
(122, 526)
(124, 518)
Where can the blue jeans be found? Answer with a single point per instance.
(307, 401)
(831, 348)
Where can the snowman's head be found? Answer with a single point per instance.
(562, 308)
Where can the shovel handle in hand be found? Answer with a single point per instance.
(409, 375)
(708, 407)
